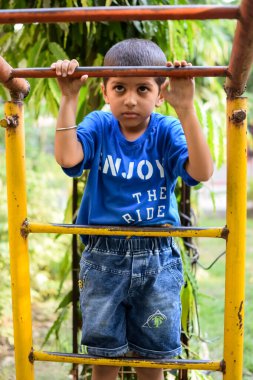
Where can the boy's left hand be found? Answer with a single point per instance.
(179, 92)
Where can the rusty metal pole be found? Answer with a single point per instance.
(242, 52)
(126, 71)
(185, 216)
(118, 13)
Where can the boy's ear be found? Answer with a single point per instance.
(160, 100)
(103, 89)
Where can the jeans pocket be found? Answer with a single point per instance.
(176, 272)
(84, 270)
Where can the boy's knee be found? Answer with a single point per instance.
(149, 373)
(102, 372)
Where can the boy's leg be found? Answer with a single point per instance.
(103, 372)
(149, 373)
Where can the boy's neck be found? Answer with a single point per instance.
(131, 135)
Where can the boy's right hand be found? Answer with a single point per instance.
(64, 69)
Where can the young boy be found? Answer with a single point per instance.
(130, 288)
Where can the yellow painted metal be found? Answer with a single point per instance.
(172, 364)
(117, 231)
(19, 260)
(236, 242)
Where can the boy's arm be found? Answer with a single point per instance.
(180, 95)
(68, 150)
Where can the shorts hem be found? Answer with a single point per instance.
(105, 352)
(155, 354)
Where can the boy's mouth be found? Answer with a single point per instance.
(130, 115)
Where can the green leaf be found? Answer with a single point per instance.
(65, 301)
(68, 210)
(186, 300)
(34, 53)
(55, 328)
(198, 187)
(221, 150)
(55, 91)
(199, 112)
(64, 268)
(52, 104)
(210, 134)
(57, 51)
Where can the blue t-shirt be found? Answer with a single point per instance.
(130, 182)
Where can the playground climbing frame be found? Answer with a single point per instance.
(234, 232)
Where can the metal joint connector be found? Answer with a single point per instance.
(31, 356)
(25, 229)
(238, 116)
(223, 366)
(225, 233)
(9, 122)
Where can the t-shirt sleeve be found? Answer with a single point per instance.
(88, 132)
(177, 154)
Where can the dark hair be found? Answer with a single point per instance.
(136, 52)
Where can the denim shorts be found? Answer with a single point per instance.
(130, 297)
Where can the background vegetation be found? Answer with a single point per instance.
(38, 45)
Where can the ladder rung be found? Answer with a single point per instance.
(215, 232)
(121, 362)
(126, 71)
(119, 13)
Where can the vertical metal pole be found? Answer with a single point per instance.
(19, 259)
(236, 242)
(185, 216)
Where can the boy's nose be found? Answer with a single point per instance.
(130, 100)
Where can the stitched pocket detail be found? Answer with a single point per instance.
(177, 273)
(84, 270)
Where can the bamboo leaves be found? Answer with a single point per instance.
(57, 51)
(189, 292)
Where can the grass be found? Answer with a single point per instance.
(211, 298)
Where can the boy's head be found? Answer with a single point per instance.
(136, 52)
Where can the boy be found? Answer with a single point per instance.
(130, 288)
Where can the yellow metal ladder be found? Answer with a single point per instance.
(234, 231)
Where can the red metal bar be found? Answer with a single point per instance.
(242, 52)
(127, 71)
(117, 13)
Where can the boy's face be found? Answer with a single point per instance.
(132, 100)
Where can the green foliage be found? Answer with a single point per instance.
(57, 325)
(189, 293)
(250, 191)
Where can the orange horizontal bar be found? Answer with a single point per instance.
(127, 71)
(117, 13)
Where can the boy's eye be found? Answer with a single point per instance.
(119, 89)
(143, 89)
